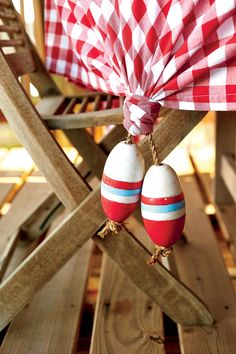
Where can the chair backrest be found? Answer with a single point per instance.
(19, 51)
(14, 41)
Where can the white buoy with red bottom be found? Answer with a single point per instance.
(163, 206)
(122, 181)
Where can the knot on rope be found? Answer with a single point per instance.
(140, 114)
(111, 226)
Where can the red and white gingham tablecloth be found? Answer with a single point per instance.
(179, 53)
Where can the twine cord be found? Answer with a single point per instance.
(160, 251)
(129, 139)
(111, 226)
(153, 150)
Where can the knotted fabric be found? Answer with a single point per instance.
(178, 53)
(140, 114)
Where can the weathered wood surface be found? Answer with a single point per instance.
(33, 133)
(126, 320)
(225, 144)
(50, 324)
(49, 257)
(84, 120)
(200, 266)
(139, 328)
(55, 247)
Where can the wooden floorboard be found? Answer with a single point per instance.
(200, 266)
(126, 320)
(50, 324)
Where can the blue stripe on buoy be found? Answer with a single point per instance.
(163, 208)
(122, 192)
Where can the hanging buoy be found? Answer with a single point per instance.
(121, 183)
(162, 208)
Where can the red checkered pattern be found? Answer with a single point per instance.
(179, 53)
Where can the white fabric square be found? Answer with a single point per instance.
(218, 76)
(224, 6)
(174, 17)
(226, 29)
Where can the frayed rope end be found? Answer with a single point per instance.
(159, 251)
(112, 226)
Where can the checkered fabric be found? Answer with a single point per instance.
(179, 53)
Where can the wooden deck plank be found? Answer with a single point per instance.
(126, 320)
(200, 266)
(50, 324)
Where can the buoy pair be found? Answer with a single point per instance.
(162, 199)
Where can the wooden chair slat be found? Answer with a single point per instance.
(5, 3)
(11, 43)
(7, 15)
(10, 28)
(83, 120)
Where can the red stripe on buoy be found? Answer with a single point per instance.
(165, 233)
(117, 211)
(120, 184)
(162, 201)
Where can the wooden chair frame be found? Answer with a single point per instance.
(158, 283)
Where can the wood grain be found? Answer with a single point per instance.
(126, 320)
(50, 324)
(200, 265)
(52, 253)
(49, 257)
(54, 245)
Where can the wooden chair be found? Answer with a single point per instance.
(85, 216)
